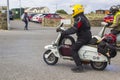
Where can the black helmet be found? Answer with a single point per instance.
(114, 9)
(118, 7)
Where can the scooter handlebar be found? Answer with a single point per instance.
(60, 25)
(60, 28)
(104, 23)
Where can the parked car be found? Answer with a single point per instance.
(41, 18)
(108, 18)
(36, 18)
(49, 16)
(53, 16)
(11, 16)
(30, 16)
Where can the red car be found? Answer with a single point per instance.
(108, 18)
(49, 16)
(53, 16)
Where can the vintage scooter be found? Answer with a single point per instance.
(62, 49)
(97, 38)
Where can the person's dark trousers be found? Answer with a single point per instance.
(75, 48)
(115, 32)
(26, 25)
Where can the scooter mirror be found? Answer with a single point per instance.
(60, 28)
(61, 24)
(104, 23)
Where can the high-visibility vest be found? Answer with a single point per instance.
(115, 16)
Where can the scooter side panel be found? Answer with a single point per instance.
(118, 39)
(47, 47)
(91, 54)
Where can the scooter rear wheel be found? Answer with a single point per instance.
(99, 65)
(51, 60)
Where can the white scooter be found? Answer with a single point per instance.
(62, 49)
(101, 34)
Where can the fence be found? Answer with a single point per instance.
(55, 22)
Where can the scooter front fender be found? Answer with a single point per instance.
(53, 49)
(47, 47)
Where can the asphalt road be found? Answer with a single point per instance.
(21, 57)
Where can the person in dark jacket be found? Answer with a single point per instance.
(25, 19)
(82, 29)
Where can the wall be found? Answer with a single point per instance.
(94, 19)
(3, 17)
(50, 22)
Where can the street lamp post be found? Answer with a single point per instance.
(20, 7)
(8, 20)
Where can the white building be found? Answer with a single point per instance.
(38, 10)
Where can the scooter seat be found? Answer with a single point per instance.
(93, 41)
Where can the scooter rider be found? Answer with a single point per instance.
(82, 29)
(111, 37)
(116, 22)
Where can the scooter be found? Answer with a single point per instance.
(97, 38)
(62, 49)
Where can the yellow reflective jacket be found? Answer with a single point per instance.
(116, 22)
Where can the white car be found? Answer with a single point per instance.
(36, 17)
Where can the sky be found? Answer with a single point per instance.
(53, 5)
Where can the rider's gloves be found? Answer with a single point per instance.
(69, 31)
(108, 24)
(59, 30)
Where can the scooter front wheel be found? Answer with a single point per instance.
(51, 59)
(99, 65)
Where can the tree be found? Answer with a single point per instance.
(61, 11)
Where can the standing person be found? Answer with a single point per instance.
(25, 19)
(82, 29)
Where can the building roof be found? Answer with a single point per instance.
(38, 8)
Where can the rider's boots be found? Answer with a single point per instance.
(77, 69)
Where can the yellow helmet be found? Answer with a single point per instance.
(77, 9)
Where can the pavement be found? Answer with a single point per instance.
(21, 57)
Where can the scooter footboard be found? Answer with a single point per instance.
(90, 53)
